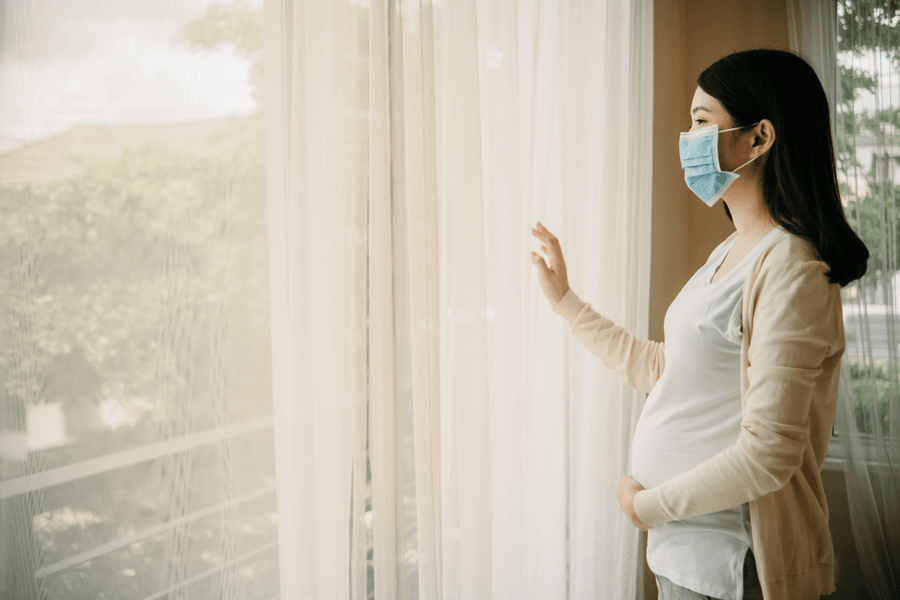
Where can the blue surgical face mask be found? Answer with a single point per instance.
(699, 152)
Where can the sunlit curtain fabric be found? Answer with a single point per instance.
(855, 46)
(136, 429)
(439, 434)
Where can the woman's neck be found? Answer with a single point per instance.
(750, 214)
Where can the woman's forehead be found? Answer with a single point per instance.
(705, 102)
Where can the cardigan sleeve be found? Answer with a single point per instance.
(796, 337)
(638, 361)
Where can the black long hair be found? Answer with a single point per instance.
(799, 178)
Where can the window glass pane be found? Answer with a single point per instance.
(867, 144)
(136, 451)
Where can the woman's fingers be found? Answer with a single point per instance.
(554, 281)
(541, 233)
(553, 256)
(625, 492)
(551, 243)
(546, 235)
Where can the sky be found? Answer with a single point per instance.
(70, 62)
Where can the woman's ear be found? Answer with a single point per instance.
(763, 136)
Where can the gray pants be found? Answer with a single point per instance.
(752, 587)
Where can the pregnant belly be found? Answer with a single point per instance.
(661, 450)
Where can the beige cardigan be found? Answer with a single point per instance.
(793, 339)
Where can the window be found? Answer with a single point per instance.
(136, 453)
(867, 144)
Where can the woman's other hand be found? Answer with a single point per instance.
(627, 490)
(554, 280)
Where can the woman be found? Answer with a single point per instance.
(727, 453)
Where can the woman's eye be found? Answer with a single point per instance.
(699, 121)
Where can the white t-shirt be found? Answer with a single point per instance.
(691, 414)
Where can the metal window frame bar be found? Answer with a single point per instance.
(149, 532)
(213, 570)
(126, 458)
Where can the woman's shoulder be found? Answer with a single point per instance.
(790, 260)
(789, 288)
(788, 251)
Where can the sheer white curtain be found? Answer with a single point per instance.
(868, 412)
(412, 145)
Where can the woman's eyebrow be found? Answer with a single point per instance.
(693, 110)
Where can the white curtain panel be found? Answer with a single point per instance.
(317, 190)
(412, 145)
(812, 31)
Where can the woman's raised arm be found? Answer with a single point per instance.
(638, 361)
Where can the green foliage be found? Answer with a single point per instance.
(853, 81)
(104, 240)
(877, 221)
(866, 24)
(237, 26)
(868, 44)
(864, 27)
(871, 397)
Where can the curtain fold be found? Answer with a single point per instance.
(403, 293)
(868, 410)
(318, 212)
(383, 420)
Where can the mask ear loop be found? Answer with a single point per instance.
(739, 127)
(746, 163)
(752, 159)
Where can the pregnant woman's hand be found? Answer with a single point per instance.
(554, 280)
(627, 490)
